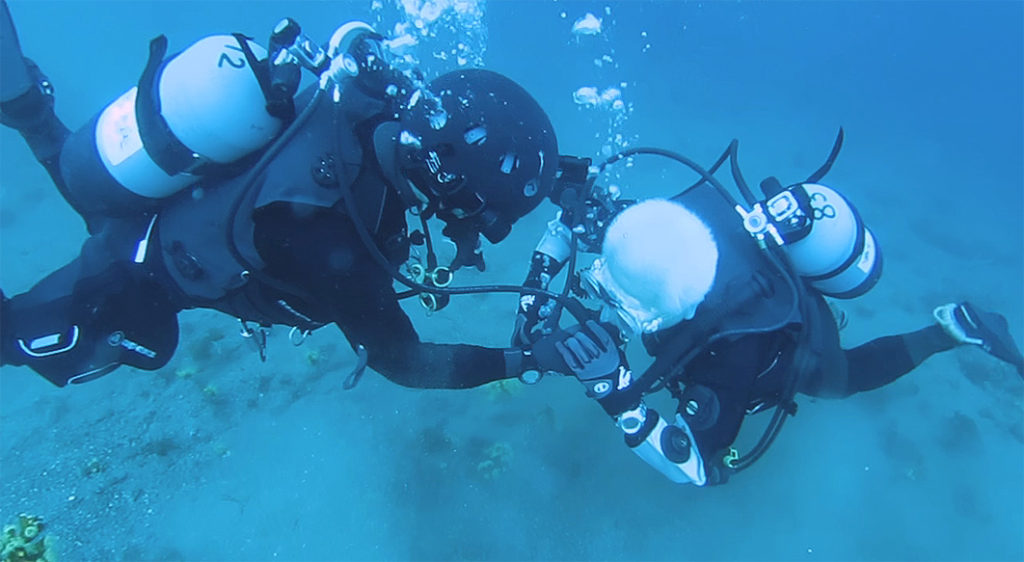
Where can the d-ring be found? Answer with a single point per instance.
(441, 276)
(297, 339)
(418, 272)
(429, 301)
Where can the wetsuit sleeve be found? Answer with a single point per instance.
(368, 312)
(321, 253)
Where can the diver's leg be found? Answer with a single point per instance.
(32, 115)
(26, 98)
(14, 77)
(91, 316)
(26, 105)
(830, 377)
(883, 360)
(872, 365)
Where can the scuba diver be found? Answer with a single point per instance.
(729, 300)
(217, 183)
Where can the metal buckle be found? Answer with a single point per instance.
(258, 336)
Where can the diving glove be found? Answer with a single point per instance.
(591, 354)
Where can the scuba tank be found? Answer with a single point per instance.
(823, 235)
(191, 115)
(839, 255)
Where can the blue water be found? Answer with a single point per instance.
(221, 457)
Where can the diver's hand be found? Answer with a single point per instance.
(594, 358)
(591, 357)
(573, 351)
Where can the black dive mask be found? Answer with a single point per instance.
(447, 191)
(451, 197)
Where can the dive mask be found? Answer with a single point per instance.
(450, 195)
(617, 307)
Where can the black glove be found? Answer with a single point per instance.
(592, 357)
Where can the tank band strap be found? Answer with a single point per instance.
(162, 145)
(855, 253)
(278, 95)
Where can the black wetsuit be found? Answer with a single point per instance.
(356, 294)
(317, 251)
(109, 307)
(759, 335)
(749, 372)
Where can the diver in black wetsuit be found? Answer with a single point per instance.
(206, 187)
(729, 301)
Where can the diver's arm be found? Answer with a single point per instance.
(319, 251)
(553, 250)
(547, 261)
(592, 355)
(370, 316)
(581, 220)
(723, 381)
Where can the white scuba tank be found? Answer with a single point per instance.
(839, 256)
(210, 100)
(211, 108)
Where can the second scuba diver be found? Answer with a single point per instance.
(728, 299)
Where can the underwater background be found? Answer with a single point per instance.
(219, 456)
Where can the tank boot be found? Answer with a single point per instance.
(967, 324)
